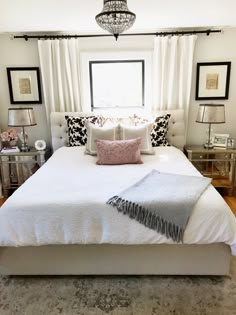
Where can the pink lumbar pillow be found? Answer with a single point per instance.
(118, 152)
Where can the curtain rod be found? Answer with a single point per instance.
(207, 32)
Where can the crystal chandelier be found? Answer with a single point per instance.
(115, 17)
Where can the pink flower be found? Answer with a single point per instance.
(4, 136)
(10, 134)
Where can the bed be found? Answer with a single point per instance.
(52, 226)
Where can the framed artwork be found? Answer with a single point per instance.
(220, 140)
(212, 82)
(24, 85)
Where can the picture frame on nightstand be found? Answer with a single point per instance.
(220, 140)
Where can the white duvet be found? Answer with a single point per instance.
(65, 203)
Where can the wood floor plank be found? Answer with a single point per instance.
(2, 200)
(231, 201)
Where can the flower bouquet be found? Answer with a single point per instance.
(10, 137)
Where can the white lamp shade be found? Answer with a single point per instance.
(20, 117)
(211, 114)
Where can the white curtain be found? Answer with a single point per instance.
(173, 63)
(59, 62)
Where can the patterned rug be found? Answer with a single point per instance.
(119, 295)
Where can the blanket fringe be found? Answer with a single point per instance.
(145, 217)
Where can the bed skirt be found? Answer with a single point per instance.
(116, 260)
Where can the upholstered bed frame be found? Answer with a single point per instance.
(175, 134)
(116, 259)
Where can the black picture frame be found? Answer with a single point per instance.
(212, 80)
(24, 85)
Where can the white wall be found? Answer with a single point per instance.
(216, 47)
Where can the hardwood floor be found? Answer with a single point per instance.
(231, 201)
(2, 200)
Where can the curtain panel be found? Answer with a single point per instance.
(172, 76)
(59, 62)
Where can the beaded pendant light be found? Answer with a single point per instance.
(115, 17)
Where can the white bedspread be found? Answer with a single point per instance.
(65, 203)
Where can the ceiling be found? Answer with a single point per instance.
(78, 15)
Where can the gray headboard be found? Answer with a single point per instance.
(175, 134)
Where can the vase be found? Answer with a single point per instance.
(12, 143)
(7, 144)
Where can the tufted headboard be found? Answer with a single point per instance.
(175, 134)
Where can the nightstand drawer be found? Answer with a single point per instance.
(199, 156)
(211, 156)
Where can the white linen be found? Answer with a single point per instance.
(64, 202)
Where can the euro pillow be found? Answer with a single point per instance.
(118, 152)
(77, 132)
(99, 133)
(159, 131)
(142, 131)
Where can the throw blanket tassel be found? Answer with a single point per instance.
(147, 218)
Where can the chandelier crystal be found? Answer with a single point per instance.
(115, 17)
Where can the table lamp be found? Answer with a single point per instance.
(210, 114)
(21, 117)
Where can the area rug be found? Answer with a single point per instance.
(119, 295)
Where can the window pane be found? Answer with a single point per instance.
(116, 83)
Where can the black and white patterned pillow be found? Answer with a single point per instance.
(159, 130)
(77, 132)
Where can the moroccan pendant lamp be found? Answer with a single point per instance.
(115, 17)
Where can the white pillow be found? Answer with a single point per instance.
(99, 133)
(111, 121)
(142, 131)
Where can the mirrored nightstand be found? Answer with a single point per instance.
(216, 163)
(17, 167)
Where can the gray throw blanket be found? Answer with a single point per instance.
(161, 201)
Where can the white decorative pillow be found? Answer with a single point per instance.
(99, 133)
(142, 131)
(111, 121)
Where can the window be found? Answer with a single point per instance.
(116, 81)
(117, 84)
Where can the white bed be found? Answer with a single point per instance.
(58, 221)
